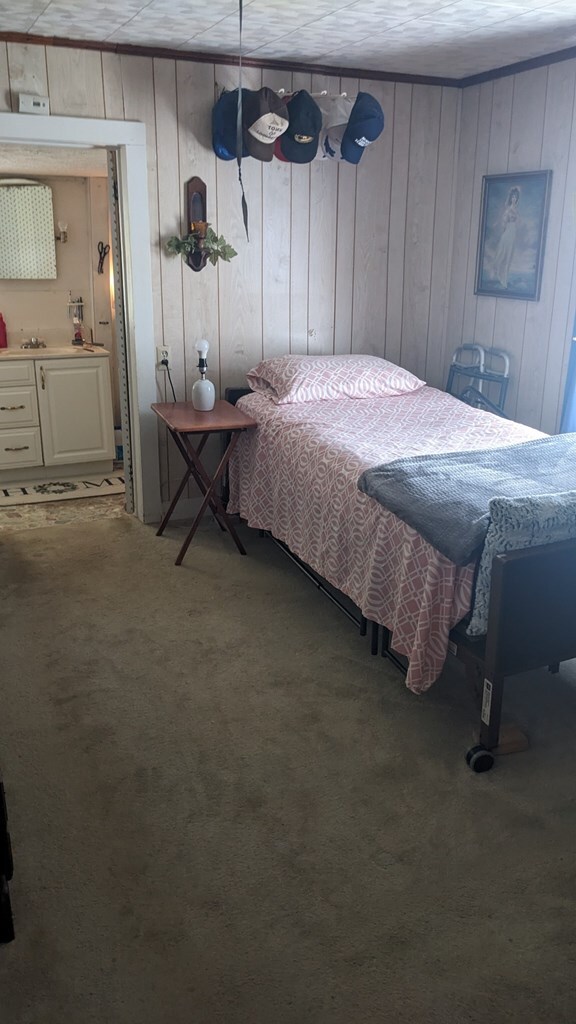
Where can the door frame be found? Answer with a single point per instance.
(129, 139)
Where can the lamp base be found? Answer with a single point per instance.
(203, 395)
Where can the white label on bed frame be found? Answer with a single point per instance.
(486, 702)
(452, 647)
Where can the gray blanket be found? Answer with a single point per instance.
(446, 497)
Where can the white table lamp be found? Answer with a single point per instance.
(203, 393)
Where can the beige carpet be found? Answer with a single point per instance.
(224, 811)
(49, 513)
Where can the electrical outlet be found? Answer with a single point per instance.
(33, 104)
(162, 353)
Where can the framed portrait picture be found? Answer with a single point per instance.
(514, 212)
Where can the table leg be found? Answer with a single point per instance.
(202, 481)
(174, 502)
(191, 471)
(211, 497)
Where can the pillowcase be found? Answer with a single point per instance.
(291, 379)
(519, 523)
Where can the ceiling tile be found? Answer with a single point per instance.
(441, 37)
(526, 5)
(21, 18)
(405, 10)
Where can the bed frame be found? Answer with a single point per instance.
(531, 624)
(6, 924)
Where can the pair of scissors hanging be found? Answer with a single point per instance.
(103, 251)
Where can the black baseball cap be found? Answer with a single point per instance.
(299, 143)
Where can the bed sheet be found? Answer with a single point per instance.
(296, 475)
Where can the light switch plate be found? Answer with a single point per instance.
(33, 104)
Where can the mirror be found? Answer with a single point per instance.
(27, 249)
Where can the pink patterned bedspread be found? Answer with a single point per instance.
(296, 475)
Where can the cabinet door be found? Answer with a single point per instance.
(75, 404)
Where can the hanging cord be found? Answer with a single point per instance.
(239, 123)
(167, 368)
(171, 384)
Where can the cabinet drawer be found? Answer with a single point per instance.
(18, 407)
(17, 372)
(20, 447)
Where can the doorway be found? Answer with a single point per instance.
(62, 426)
(127, 140)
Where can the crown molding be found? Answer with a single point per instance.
(516, 69)
(202, 57)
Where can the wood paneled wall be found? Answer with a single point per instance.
(340, 258)
(520, 123)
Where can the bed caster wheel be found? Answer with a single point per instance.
(479, 759)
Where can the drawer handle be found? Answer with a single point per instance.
(43, 378)
(11, 408)
(23, 448)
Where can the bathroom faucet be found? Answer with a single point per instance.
(34, 343)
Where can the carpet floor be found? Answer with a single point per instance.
(225, 811)
(33, 516)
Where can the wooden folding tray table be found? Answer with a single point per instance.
(183, 421)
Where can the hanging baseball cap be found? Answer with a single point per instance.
(299, 142)
(264, 117)
(278, 152)
(335, 112)
(364, 126)
(224, 114)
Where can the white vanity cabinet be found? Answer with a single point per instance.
(20, 442)
(75, 403)
(55, 411)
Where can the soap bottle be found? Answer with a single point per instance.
(3, 334)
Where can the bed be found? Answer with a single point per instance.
(296, 476)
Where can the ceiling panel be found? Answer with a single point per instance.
(423, 37)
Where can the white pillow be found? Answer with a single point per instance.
(290, 379)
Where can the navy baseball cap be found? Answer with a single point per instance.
(364, 126)
(299, 142)
(224, 114)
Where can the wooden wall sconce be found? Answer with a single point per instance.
(196, 214)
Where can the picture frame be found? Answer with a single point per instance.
(513, 220)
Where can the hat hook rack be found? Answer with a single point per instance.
(218, 90)
(324, 92)
(288, 92)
